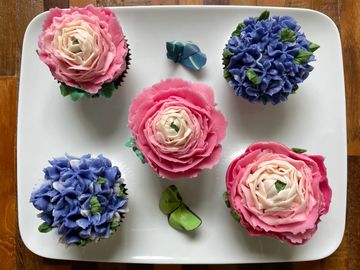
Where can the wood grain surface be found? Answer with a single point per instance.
(15, 16)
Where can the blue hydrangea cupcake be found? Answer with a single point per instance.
(84, 199)
(267, 57)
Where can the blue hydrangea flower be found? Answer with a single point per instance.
(84, 198)
(267, 57)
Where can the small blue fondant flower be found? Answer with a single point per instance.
(267, 57)
(85, 198)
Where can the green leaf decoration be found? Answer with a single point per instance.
(287, 35)
(226, 199)
(83, 242)
(65, 90)
(132, 144)
(44, 228)
(122, 191)
(95, 206)
(279, 186)
(238, 29)
(107, 90)
(101, 180)
(295, 87)
(263, 16)
(313, 46)
(170, 200)
(226, 57)
(298, 150)
(252, 76)
(227, 75)
(235, 215)
(184, 219)
(114, 224)
(174, 127)
(302, 57)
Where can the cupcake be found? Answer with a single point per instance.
(85, 199)
(176, 128)
(276, 191)
(85, 50)
(267, 57)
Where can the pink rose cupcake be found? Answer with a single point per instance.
(277, 191)
(85, 50)
(176, 128)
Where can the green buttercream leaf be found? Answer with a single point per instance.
(287, 35)
(101, 180)
(302, 57)
(65, 90)
(130, 143)
(83, 242)
(235, 215)
(295, 87)
(114, 224)
(107, 90)
(44, 228)
(75, 95)
(122, 191)
(298, 150)
(263, 16)
(140, 156)
(226, 57)
(279, 186)
(238, 29)
(184, 219)
(174, 127)
(226, 199)
(252, 76)
(313, 46)
(227, 75)
(170, 200)
(95, 206)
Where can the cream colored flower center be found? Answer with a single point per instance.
(174, 126)
(77, 42)
(276, 185)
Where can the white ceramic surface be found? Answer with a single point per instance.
(50, 125)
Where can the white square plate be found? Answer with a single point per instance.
(50, 125)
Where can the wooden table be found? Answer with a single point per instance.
(15, 16)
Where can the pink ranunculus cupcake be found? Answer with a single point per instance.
(85, 50)
(277, 191)
(176, 128)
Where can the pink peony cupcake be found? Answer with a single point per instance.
(85, 50)
(277, 191)
(176, 128)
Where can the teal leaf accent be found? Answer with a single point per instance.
(107, 90)
(298, 150)
(263, 16)
(44, 228)
(313, 46)
(95, 206)
(302, 57)
(132, 144)
(287, 35)
(279, 186)
(252, 76)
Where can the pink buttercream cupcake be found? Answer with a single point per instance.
(176, 128)
(85, 50)
(277, 191)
